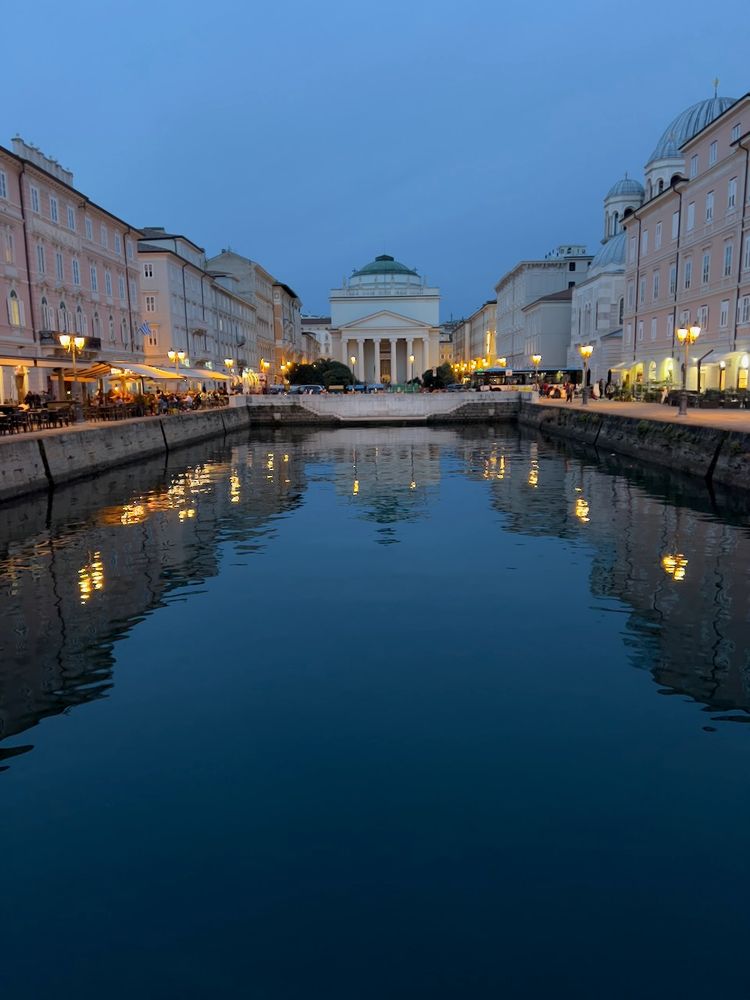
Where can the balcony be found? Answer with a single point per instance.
(51, 338)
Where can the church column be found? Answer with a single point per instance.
(345, 349)
(426, 360)
(409, 355)
(376, 346)
(394, 372)
(360, 355)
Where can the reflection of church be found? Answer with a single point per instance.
(385, 322)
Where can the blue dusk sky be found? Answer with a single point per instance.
(459, 137)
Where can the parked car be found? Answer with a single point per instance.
(306, 390)
(276, 390)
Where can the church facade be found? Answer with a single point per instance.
(385, 322)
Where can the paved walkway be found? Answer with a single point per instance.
(728, 420)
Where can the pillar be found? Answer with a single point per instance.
(345, 349)
(394, 369)
(410, 369)
(376, 358)
(360, 355)
(426, 360)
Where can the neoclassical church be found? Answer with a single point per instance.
(385, 322)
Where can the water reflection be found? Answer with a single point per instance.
(80, 568)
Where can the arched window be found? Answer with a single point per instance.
(79, 321)
(615, 223)
(621, 310)
(46, 315)
(97, 325)
(62, 313)
(111, 325)
(124, 330)
(661, 186)
(14, 309)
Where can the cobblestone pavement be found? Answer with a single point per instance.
(731, 420)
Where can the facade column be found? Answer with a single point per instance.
(409, 352)
(360, 355)
(345, 349)
(376, 343)
(427, 361)
(394, 372)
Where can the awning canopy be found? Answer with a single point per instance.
(144, 371)
(91, 373)
(204, 373)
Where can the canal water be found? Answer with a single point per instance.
(376, 713)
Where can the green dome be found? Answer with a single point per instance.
(384, 264)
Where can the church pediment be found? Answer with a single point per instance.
(385, 320)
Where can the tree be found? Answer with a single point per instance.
(321, 372)
(443, 376)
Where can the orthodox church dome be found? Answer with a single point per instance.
(384, 264)
(687, 124)
(611, 255)
(625, 188)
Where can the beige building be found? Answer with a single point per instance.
(287, 325)
(67, 266)
(688, 252)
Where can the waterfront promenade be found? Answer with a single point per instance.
(725, 420)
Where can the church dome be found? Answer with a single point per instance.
(612, 254)
(384, 264)
(625, 188)
(687, 124)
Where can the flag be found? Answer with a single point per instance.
(145, 329)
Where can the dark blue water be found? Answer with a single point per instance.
(379, 713)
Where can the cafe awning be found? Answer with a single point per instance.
(204, 374)
(145, 371)
(91, 373)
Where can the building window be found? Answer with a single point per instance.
(631, 292)
(728, 252)
(108, 283)
(620, 312)
(59, 266)
(76, 272)
(150, 303)
(691, 216)
(111, 327)
(640, 330)
(710, 206)
(3, 184)
(654, 322)
(706, 268)
(53, 208)
(46, 315)
(103, 237)
(746, 260)
(79, 321)
(129, 249)
(9, 248)
(71, 218)
(641, 291)
(713, 152)
(735, 132)
(89, 229)
(644, 243)
(745, 315)
(657, 236)
(688, 274)
(629, 334)
(148, 270)
(62, 313)
(94, 280)
(40, 263)
(34, 199)
(672, 279)
(724, 313)
(694, 165)
(121, 287)
(632, 249)
(732, 193)
(703, 317)
(571, 265)
(675, 225)
(670, 326)
(97, 325)
(124, 330)
(14, 309)
(118, 244)
(656, 285)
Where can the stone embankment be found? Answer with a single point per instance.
(710, 444)
(705, 443)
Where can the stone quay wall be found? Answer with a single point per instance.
(31, 463)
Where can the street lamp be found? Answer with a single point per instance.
(501, 362)
(686, 336)
(177, 357)
(585, 350)
(536, 360)
(411, 367)
(74, 346)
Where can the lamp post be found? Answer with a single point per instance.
(536, 360)
(74, 346)
(585, 350)
(353, 361)
(686, 336)
(411, 367)
(177, 357)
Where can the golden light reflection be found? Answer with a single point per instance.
(91, 577)
(234, 488)
(494, 467)
(534, 474)
(186, 514)
(133, 513)
(674, 565)
(582, 510)
(412, 485)
(355, 487)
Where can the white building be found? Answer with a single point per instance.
(320, 328)
(527, 282)
(191, 309)
(547, 329)
(598, 300)
(386, 318)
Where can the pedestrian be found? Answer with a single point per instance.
(569, 392)
(664, 394)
